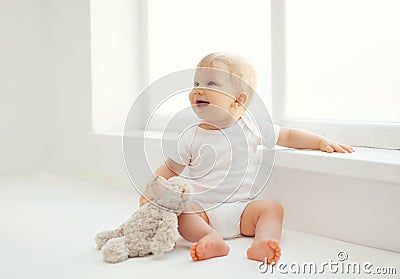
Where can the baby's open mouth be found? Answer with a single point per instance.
(201, 104)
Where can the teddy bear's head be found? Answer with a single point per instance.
(173, 194)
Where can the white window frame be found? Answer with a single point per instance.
(366, 134)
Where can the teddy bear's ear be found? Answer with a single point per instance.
(158, 186)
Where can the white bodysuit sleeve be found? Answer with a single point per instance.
(268, 134)
(265, 132)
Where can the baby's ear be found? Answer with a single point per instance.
(158, 186)
(241, 98)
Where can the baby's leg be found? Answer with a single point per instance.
(263, 219)
(207, 243)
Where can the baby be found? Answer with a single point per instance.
(222, 207)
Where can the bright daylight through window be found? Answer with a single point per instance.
(179, 37)
(342, 59)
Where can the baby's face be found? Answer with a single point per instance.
(214, 94)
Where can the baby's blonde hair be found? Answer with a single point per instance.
(237, 66)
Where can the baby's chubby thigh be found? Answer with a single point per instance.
(195, 208)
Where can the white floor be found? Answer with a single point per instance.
(48, 225)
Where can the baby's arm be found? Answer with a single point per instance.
(166, 170)
(301, 139)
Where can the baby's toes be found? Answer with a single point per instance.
(274, 244)
(276, 257)
(193, 252)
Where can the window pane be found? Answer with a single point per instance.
(115, 71)
(182, 32)
(343, 59)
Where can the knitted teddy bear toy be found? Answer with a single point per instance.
(153, 228)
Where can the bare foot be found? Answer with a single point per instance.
(210, 246)
(265, 249)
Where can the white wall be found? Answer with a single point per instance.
(70, 146)
(20, 95)
(45, 90)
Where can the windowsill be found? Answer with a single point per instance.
(365, 163)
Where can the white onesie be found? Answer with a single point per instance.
(223, 165)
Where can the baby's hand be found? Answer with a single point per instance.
(330, 146)
(148, 195)
(143, 201)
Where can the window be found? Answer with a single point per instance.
(329, 66)
(133, 43)
(116, 60)
(341, 68)
(179, 37)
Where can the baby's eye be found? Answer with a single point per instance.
(196, 84)
(211, 83)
